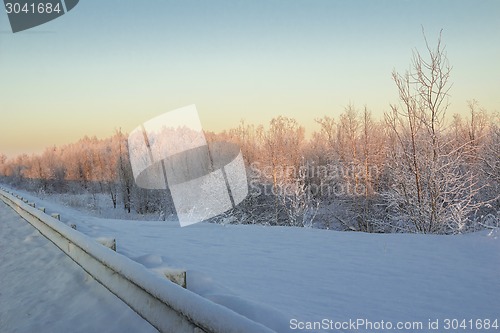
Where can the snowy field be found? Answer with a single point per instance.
(283, 277)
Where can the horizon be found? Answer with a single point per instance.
(234, 60)
(307, 132)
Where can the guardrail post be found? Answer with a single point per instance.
(177, 276)
(108, 242)
(57, 216)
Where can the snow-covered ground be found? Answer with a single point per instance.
(286, 277)
(42, 290)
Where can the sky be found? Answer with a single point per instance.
(109, 65)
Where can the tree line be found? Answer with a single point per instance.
(415, 170)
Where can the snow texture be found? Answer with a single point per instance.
(43, 290)
(275, 274)
(141, 289)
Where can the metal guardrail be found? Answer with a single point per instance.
(165, 305)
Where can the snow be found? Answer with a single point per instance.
(43, 290)
(150, 295)
(274, 275)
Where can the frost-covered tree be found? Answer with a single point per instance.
(324, 142)
(490, 163)
(282, 156)
(297, 199)
(3, 165)
(432, 191)
(125, 172)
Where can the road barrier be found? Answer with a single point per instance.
(164, 304)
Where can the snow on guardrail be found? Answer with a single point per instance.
(165, 305)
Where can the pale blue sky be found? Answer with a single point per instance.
(112, 64)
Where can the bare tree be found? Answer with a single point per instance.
(283, 141)
(328, 129)
(432, 191)
(125, 172)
